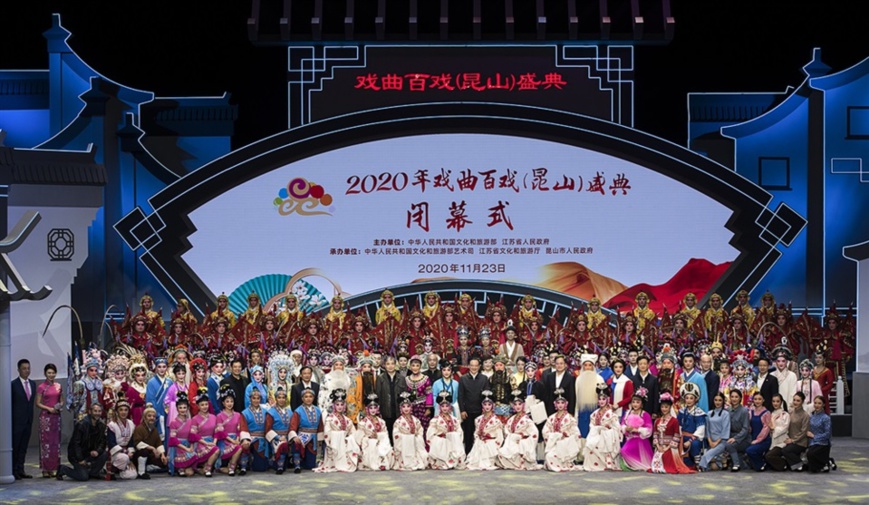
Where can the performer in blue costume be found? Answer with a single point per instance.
(692, 421)
(217, 364)
(691, 374)
(277, 429)
(155, 393)
(257, 375)
(257, 459)
(306, 424)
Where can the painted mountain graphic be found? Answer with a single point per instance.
(578, 280)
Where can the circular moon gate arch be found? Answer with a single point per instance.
(163, 235)
(483, 292)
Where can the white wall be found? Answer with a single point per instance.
(28, 318)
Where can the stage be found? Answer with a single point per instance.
(328, 165)
(849, 484)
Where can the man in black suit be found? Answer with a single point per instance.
(561, 378)
(237, 381)
(645, 379)
(551, 368)
(631, 366)
(388, 386)
(23, 398)
(767, 383)
(713, 380)
(305, 382)
(471, 387)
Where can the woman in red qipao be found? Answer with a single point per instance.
(667, 437)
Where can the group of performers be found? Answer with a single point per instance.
(456, 390)
(433, 329)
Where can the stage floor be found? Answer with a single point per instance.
(850, 484)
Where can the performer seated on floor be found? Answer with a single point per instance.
(488, 436)
(148, 444)
(373, 438)
(445, 437)
(519, 451)
(407, 437)
(561, 434)
(339, 434)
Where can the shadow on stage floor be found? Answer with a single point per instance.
(850, 484)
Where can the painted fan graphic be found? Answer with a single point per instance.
(271, 285)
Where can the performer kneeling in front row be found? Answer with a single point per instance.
(148, 444)
(257, 457)
(519, 451)
(373, 438)
(202, 434)
(305, 426)
(339, 435)
(445, 437)
(407, 438)
(488, 436)
(561, 434)
(277, 430)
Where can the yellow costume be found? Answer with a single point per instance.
(387, 309)
(642, 312)
(743, 308)
(690, 311)
(714, 319)
(595, 317)
(253, 315)
(224, 313)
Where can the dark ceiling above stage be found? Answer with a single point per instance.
(292, 21)
(195, 48)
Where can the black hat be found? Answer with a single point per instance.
(559, 394)
(444, 397)
(371, 399)
(225, 392)
(602, 389)
(517, 395)
(180, 399)
(783, 350)
(122, 401)
(487, 396)
(214, 359)
(338, 395)
(202, 395)
(406, 397)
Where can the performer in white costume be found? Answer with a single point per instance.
(339, 434)
(519, 451)
(407, 438)
(373, 438)
(445, 437)
(561, 434)
(488, 436)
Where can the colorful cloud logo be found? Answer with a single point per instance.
(303, 197)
